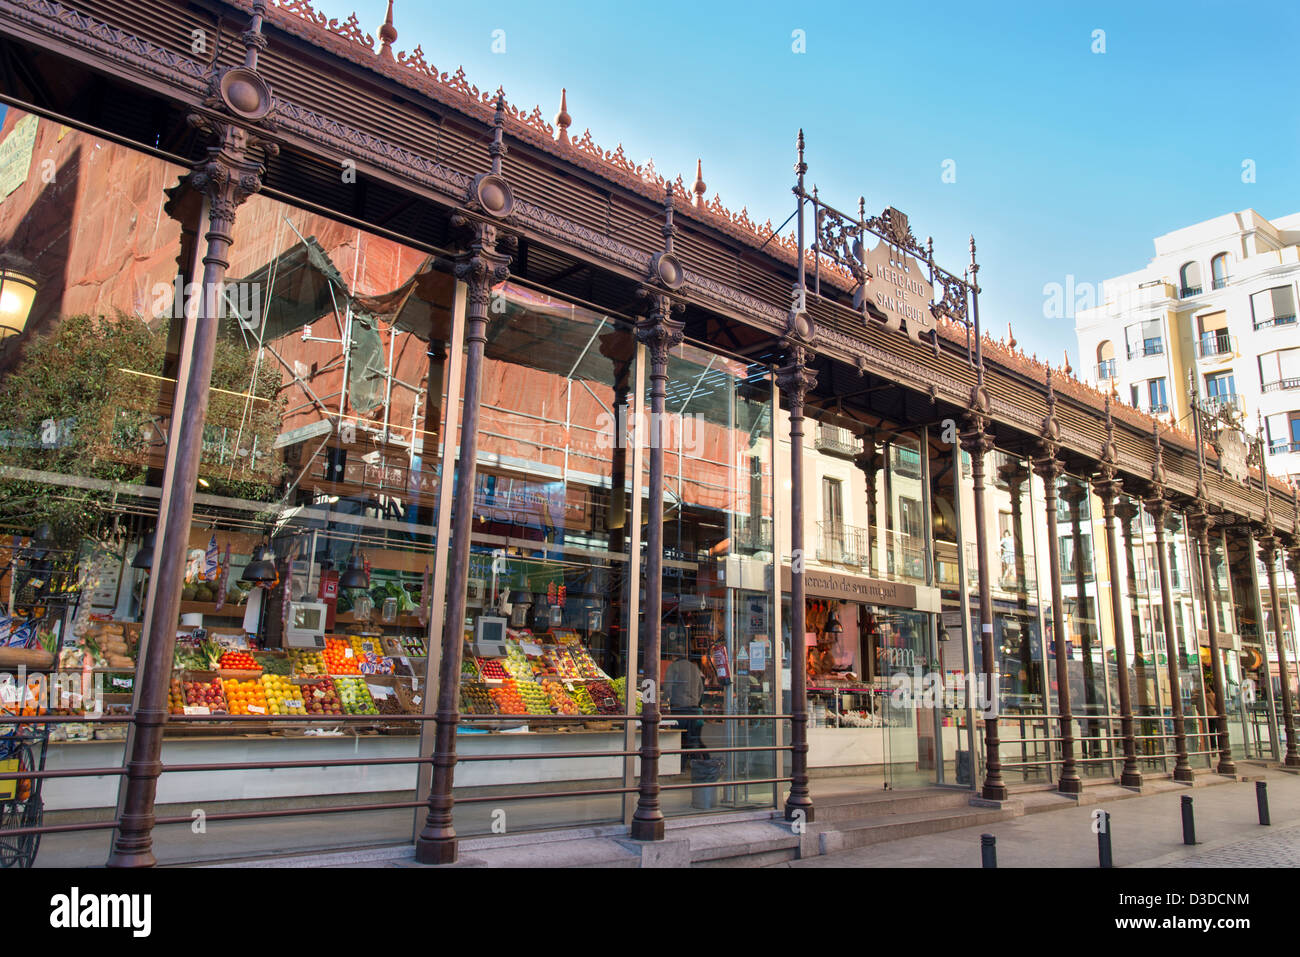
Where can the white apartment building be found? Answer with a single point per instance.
(1218, 299)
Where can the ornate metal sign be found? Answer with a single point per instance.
(897, 282)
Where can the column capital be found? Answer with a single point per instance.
(794, 378)
(1157, 506)
(657, 329)
(1126, 510)
(481, 265)
(1047, 466)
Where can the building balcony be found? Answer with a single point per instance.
(843, 544)
(1214, 344)
(1219, 282)
(1151, 347)
(1188, 291)
(1276, 321)
(834, 440)
(1159, 408)
(1225, 403)
(1280, 385)
(1106, 370)
(1283, 448)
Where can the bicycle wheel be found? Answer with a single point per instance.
(20, 850)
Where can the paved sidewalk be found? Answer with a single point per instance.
(1146, 831)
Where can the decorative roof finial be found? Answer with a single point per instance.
(1011, 338)
(562, 119)
(387, 34)
(1066, 368)
(800, 167)
(669, 230)
(698, 186)
(497, 149)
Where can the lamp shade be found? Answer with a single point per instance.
(354, 576)
(261, 570)
(144, 556)
(17, 293)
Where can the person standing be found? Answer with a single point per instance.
(684, 689)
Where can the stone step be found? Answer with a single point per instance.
(891, 827)
(832, 809)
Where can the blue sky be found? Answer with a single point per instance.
(1066, 161)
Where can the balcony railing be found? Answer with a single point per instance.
(1275, 321)
(1283, 448)
(1159, 408)
(1106, 369)
(1150, 347)
(1224, 402)
(1219, 282)
(1281, 385)
(1215, 344)
(752, 534)
(836, 441)
(1190, 291)
(843, 544)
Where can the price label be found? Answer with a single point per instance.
(197, 709)
(416, 699)
(347, 653)
(256, 709)
(121, 682)
(318, 693)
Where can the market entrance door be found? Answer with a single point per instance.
(907, 660)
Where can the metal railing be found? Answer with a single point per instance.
(1150, 347)
(836, 441)
(1224, 402)
(843, 544)
(1159, 408)
(1215, 344)
(1218, 282)
(1283, 448)
(1280, 385)
(1275, 321)
(1106, 369)
(1190, 291)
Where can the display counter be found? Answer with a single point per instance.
(198, 787)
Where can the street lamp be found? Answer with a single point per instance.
(17, 293)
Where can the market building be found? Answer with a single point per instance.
(503, 476)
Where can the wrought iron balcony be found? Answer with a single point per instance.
(1283, 448)
(1150, 347)
(1159, 408)
(1227, 402)
(1190, 291)
(1276, 321)
(836, 441)
(752, 534)
(843, 544)
(1219, 282)
(1281, 385)
(1215, 344)
(1106, 369)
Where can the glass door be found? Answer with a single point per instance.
(907, 659)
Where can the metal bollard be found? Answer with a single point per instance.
(1104, 858)
(1189, 823)
(1261, 799)
(989, 850)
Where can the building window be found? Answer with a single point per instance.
(1106, 360)
(1219, 271)
(1214, 339)
(1279, 370)
(1190, 276)
(1133, 395)
(1145, 339)
(1158, 396)
(1221, 392)
(833, 516)
(1273, 307)
(1283, 432)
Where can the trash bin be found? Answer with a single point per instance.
(703, 771)
(963, 767)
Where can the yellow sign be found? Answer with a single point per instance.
(16, 155)
(8, 786)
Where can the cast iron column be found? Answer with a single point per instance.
(238, 98)
(975, 441)
(480, 267)
(1107, 487)
(1268, 547)
(795, 379)
(1293, 562)
(1159, 510)
(1049, 469)
(1126, 511)
(660, 334)
(868, 460)
(1199, 523)
(1074, 495)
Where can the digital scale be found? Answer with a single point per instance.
(307, 623)
(490, 637)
